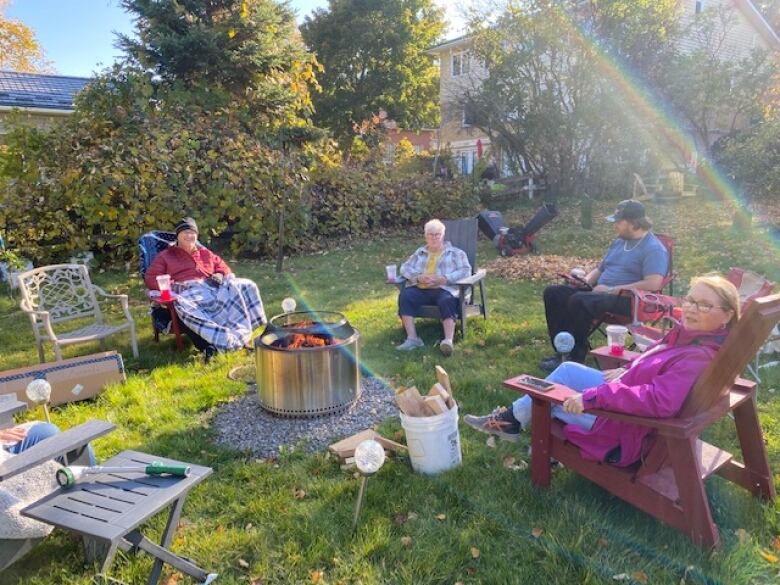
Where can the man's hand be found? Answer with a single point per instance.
(216, 279)
(573, 405)
(604, 289)
(14, 434)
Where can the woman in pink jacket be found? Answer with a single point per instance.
(655, 384)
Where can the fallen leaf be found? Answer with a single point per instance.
(243, 564)
(172, 579)
(514, 465)
(400, 519)
(639, 577)
(537, 532)
(475, 552)
(471, 570)
(315, 576)
(742, 535)
(776, 542)
(299, 494)
(406, 541)
(255, 581)
(441, 516)
(768, 556)
(491, 442)
(412, 516)
(603, 542)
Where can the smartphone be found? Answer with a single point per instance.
(538, 383)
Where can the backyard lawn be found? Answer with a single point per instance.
(289, 520)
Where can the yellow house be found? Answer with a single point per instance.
(459, 71)
(42, 99)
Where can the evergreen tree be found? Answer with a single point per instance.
(373, 52)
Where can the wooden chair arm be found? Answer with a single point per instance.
(473, 279)
(54, 447)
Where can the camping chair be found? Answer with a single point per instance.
(151, 244)
(750, 287)
(668, 483)
(461, 233)
(56, 294)
(645, 306)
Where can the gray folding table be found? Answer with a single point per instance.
(107, 510)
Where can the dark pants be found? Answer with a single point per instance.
(412, 298)
(162, 317)
(570, 309)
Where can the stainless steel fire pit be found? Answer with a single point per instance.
(308, 364)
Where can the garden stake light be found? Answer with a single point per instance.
(369, 458)
(564, 343)
(39, 392)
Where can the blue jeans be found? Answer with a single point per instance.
(412, 298)
(571, 374)
(37, 433)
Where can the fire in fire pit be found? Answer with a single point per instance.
(308, 364)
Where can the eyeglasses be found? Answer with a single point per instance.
(700, 306)
(434, 234)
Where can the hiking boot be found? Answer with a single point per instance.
(500, 423)
(446, 347)
(549, 364)
(410, 344)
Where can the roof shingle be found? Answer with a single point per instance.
(33, 90)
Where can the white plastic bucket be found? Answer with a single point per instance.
(433, 441)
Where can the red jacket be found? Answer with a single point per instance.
(183, 266)
(655, 384)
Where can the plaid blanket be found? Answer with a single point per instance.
(225, 316)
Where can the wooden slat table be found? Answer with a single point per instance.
(108, 508)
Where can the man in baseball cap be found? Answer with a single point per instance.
(635, 259)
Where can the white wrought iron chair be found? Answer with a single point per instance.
(56, 294)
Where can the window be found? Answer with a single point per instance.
(467, 117)
(699, 6)
(460, 64)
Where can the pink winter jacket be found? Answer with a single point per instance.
(654, 385)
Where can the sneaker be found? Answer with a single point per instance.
(500, 423)
(410, 344)
(548, 364)
(446, 347)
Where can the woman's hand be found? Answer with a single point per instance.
(573, 405)
(612, 375)
(14, 434)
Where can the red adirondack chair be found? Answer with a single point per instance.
(669, 483)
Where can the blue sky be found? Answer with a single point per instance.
(78, 35)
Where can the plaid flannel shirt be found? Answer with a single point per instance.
(453, 264)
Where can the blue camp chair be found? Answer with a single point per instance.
(151, 244)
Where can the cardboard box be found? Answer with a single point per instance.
(71, 380)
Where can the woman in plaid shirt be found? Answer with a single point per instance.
(429, 273)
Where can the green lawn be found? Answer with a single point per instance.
(246, 523)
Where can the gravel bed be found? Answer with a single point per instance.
(242, 424)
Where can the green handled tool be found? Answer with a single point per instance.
(68, 476)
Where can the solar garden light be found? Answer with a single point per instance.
(39, 392)
(288, 306)
(369, 458)
(564, 343)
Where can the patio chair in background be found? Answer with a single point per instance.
(53, 295)
(668, 483)
(462, 233)
(151, 244)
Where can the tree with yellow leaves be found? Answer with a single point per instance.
(19, 49)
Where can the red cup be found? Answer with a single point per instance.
(165, 295)
(616, 350)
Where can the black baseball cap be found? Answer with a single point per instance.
(629, 209)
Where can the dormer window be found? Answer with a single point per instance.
(460, 63)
